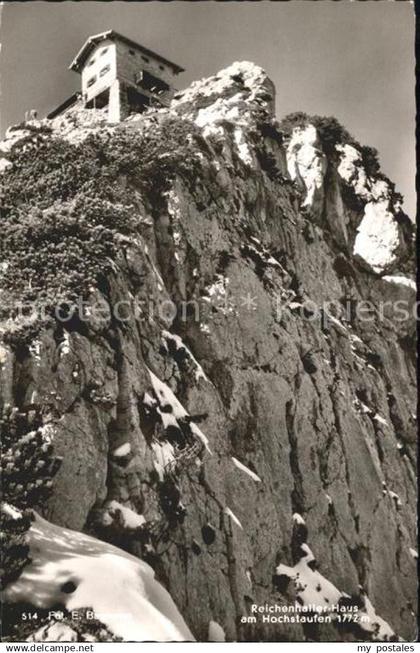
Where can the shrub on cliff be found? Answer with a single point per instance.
(332, 133)
(27, 468)
(58, 252)
(151, 159)
(66, 202)
(47, 170)
(27, 462)
(14, 549)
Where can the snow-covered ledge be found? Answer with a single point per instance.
(400, 280)
(120, 589)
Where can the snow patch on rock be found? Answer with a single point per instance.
(379, 629)
(311, 586)
(246, 469)
(381, 420)
(179, 345)
(10, 511)
(400, 281)
(120, 588)
(233, 517)
(167, 399)
(216, 632)
(395, 498)
(318, 592)
(164, 455)
(122, 451)
(298, 519)
(378, 239)
(129, 519)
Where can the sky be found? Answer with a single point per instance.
(353, 60)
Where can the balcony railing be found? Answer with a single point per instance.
(162, 97)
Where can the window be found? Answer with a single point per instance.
(146, 59)
(91, 62)
(162, 67)
(91, 81)
(133, 54)
(104, 51)
(105, 70)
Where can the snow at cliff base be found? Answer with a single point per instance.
(119, 588)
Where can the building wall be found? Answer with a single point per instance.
(123, 63)
(131, 61)
(102, 56)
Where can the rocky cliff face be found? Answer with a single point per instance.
(234, 401)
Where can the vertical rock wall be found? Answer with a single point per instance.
(247, 348)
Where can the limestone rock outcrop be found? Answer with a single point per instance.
(222, 404)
